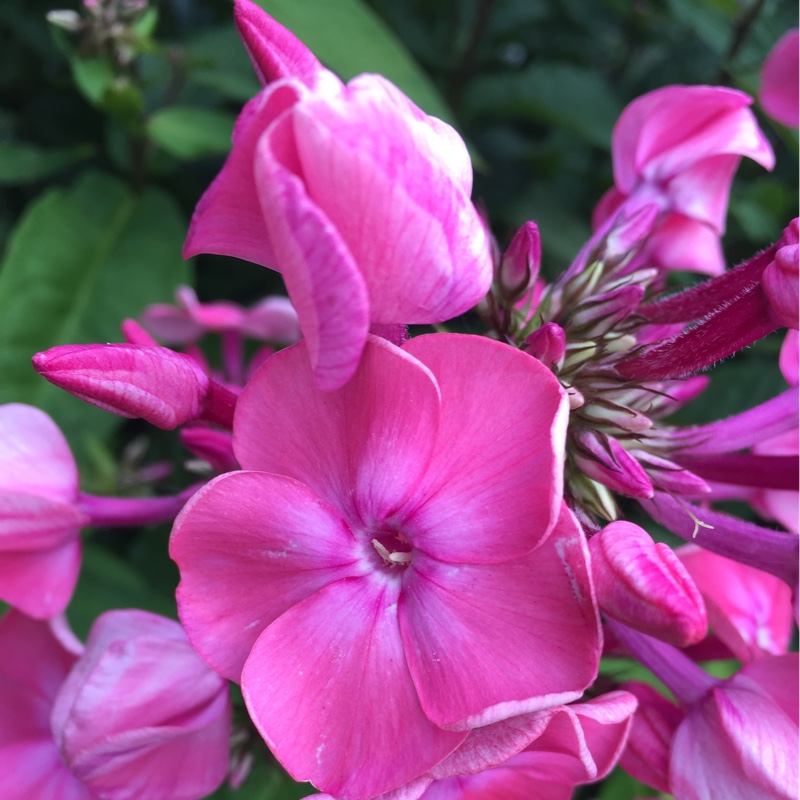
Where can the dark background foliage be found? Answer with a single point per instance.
(106, 146)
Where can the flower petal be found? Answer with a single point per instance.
(457, 622)
(249, 546)
(361, 448)
(328, 688)
(493, 488)
(321, 275)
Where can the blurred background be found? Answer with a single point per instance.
(115, 119)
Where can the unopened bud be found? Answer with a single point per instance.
(643, 584)
(629, 233)
(780, 279)
(669, 476)
(519, 266)
(602, 313)
(66, 19)
(137, 381)
(617, 416)
(605, 460)
(548, 345)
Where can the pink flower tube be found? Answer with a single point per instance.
(678, 147)
(386, 542)
(358, 198)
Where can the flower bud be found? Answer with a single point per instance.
(629, 233)
(618, 416)
(780, 280)
(669, 476)
(643, 584)
(519, 266)
(601, 313)
(604, 459)
(548, 345)
(137, 381)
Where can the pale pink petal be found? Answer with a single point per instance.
(34, 769)
(405, 214)
(31, 522)
(361, 448)
(790, 358)
(457, 622)
(750, 610)
(171, 325)
(275, 52)
(321, 273)
(607, 206)
(40, 583)
(228, 219)
(35, 457)
(737, 744)
(777, 676)
(493, 488)
(250, 546)
(680, 242)
(272, 319)
(701, 190)
(328, 688)
(779, 81)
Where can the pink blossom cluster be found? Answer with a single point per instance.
(411, 553)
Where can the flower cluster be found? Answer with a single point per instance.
(411, 552)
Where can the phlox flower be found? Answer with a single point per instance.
(679, 147)
(393, 566)
(356, 196)
(135, 715)
(779, 80)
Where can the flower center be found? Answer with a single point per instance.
(393, 548)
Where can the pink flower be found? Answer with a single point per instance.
(37, 657)
(367, 570)
(359, 199)
(140, 716)
(643, 584)
(678, 147)
(779, 81)
(272, 319)
(137, 715)
(781, 282)
(749, 610)
(40, 520)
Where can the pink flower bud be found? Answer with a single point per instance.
(643, 584)
(601, 313)
(519, 266)
(780, 279)
(140, 714)
(669, 476)
(548, 344)
(646, 757)
(606, 461)
(152, 383)
(629, 233)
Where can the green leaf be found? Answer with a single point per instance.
(621, 786)
(187, 132)
(106, 582)
(93, 76)
(78, 263)
(331, 31)
(563, 95)
(27, 163)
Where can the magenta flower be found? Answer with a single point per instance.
(368, 568)
(137, 715)
(40, 520)
(140, 715)
(779, 81)
(678, 147)
(359, 199)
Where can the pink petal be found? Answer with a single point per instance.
(31, 522)
(361, 448)
(40, 583)
(790, 358)
(34, 769)
(457, 621)
(228, 219)
(748, 609)
(273, 319)
(779, 81)
(735, 744)
(777, 676)
(35, 457)
(275, 52)
(171, 325)
(250, 546)
(376, 172)
(679, 242)
(493, 488)
(301, 679)
(701, 190)
(321, 274)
